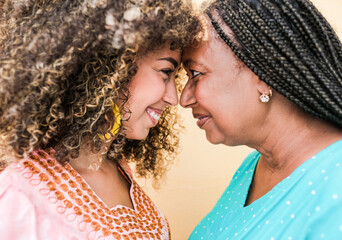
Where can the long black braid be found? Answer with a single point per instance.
(291, 47)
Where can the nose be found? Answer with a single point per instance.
(188, 95)
(170, 95)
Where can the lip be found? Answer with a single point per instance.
(154, 114)
(202, 119)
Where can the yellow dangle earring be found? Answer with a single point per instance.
(116, 125)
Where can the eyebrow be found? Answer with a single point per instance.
(171, 60)
(187, 62)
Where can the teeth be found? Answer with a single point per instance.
(153, 114)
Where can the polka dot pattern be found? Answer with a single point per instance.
(305, 205)
(73, 197)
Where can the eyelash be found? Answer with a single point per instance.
(193, 73)
(167, 72)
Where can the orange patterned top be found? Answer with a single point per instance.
(61, 188)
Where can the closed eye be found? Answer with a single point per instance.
(168, 72)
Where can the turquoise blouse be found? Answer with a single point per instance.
(305, 205)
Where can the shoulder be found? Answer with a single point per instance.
(248, 165)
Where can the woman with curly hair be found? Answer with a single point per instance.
(85, 87)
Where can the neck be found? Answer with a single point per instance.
(87, 161)
(293, 140)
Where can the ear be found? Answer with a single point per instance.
(263, 88)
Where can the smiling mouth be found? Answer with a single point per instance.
(202, 120)
(154, 115)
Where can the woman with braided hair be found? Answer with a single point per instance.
(85, 87)
(269, 76)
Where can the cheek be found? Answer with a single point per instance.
(203, 93)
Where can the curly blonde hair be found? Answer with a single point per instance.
(64, 63)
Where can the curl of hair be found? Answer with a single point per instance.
(63, 64)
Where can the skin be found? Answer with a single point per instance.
(153, 87)
(224, 95)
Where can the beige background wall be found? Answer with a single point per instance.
(203, 170)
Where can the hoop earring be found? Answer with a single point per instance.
(264, 98)
(116, 125)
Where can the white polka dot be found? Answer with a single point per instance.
(196, 232)
(211, 234)
(317, 208)
(310, 183)
(236, 234)
(244, 221)
(281, 221)
(226, 228)
(203, 226)
(313, 192)
(226, 208)
(271, 196)
(323, 171)
(272, 238)
(220, 229)
(335, 196)
(212, 221)
(217, 213)
(254, 215)
(326, 178)
(251, 209)
(221, 216)
(322, 235)
(313, 157)
(267, 222)
(338, 164)
(288, 202)
(341, 228)
(292, 215)
(201, 237)
(303, 170)
(289, 238)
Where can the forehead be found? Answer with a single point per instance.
(206, 49)
(163, 52)
(211, 50)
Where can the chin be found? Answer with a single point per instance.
(141, 135)
(214, 138)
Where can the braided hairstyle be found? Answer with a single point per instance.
(63, 65)
(289, 45)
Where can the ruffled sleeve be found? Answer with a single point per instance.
(26, 214)
(17, 211)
